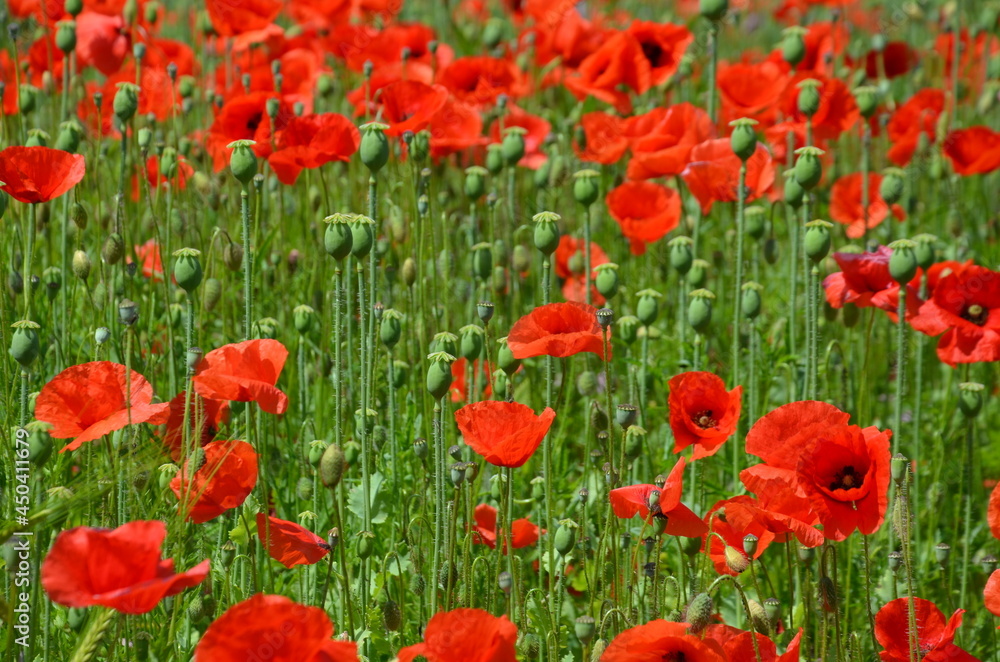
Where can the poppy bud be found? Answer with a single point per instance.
(392, 617)
(126, 101)
(73, 7)
(586, 187)
(586, 383)
(751, 301)
(24, 343)
(475, 182)
(485, 311)
(827, 593)
(817, 240)
(891, 188)
(648, 307)
(713, 10)
(924, 250)
(439, 374)
(365, 544)
(634, 437)
(809, 97)
(867, 100)
(362, 236)
(471, 341)
(128, 312)
(606, 279)
(113, 249)
(699, 612)
(700, 310)
(755, 221)
(903, 261)
(698, 274)
(584, 628)
(417, 585)
(565, 539)
(81, 265)
(494, 158)
(808, 167)
(736, 560)
(243, 161)
(187, 269)
(970, 398)
(513, 146)
(505, 358)
(793, 45)
(66, 36)
(744, 138)
(374, 148)
(628, 329)
(546, 232)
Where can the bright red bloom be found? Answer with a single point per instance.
(244, 372)
(645, 212)
(559, 330)
(604, 138)
(702, 413)
(11, 105)
(537, 128)
(223, 482)
(894, 60)
(288, 543)
(846, 207)
(627, 502)
(102, 41)
(87, 401)
(973, 151)
(312, 141)
(714, 171)
(935, 636)
(662, 150)
(119, 568)
(919, 115)
(506, 434)
(409, 105)
(205, 413)
(479, 80)
(751, 90)
(991, 594)
(275, 628)
(965, 307)
(618, 62)
(244, 118)
(39, 174)
(384, 48)
(864, 281)
(812, 454)
(522, 534)
(663, 45)
(470, 635)
(662, 640)
(233, 17)
(738, 644)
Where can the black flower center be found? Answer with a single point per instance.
(253, 122)
(976, 314)
(847, 479)
(704, 419)
(673, 656)
(652, 51)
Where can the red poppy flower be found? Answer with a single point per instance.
(894, 60)
(479, 80)
(506, 434)
(559, 330)
(312, 141)
(824, 41)
(470, 635)
(702, 413)
(274, 628)
(662, 150)
(645, 212)
(627, 502)
(618, 62)
(222, 482)
(837, 111)
(244, 372)
(459, 389)
(663, 45)
(409, 105)
(523, 533)
(973, 151)
(965, 307)
(662, 640)
(102, 41)
(738, 644)
(864, 281)
(714, 171)
(537, 130)
(604, 138)
(39, 174)
(738, 516)
(205, 413)
(919, 115)
(233, 17)
(846, 208)
(935, 636)
(571, 265)
(456, 127)
(751, 90)
(812, 454)
(148, 255)
(288, 543)
(90, 400)
(11, 105)
(119, 568)
(385, 47)
(991, 594)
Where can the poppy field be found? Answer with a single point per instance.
(498, 330)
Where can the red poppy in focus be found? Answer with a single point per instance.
(965, 307)
(286, 630)
(559, 330)
(739, 647)
(627, 502)
(87, 401)
(288, 543)
(973, 151)
(470, 635)
(864, 280)
(935, 636)
(205, 413)
(39, 174)
(522, 534)
(244, 372)
(991, 594)
(662, 640)
(119, 568)
(919, 115)
(811, 454)
(233, 17)
(751, 90)
(702, 413)
(645, 212)
(663, 45)
(148, 255)
(506, 434)
(409, 105)
(537, 129)
(313, 141)
(604, 139)
(713, 173)
(222, 482)
(738, 516)
(662, 150)
(618, 62)
(846, 207)
(479, 80)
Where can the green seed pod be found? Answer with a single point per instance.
(113, 249)
(755, 221)
(698, 275)
(482, 260)
(713, 10)
(970, 399)
(625, 415)
(366, 544)
(606, 279)
(352, 452)
(24, 343)
(362, 236)
(39, 446)
(586, 187)
(505, 358)
(70, 135)
(546, 232)
(439, 374)
(700, 310)
(494, 158)
(471, 347)
(925, 250)
(37, 138)
(634, 438)
(212, 293)
(628, 328)
(492, 33)
(808, 167)
(794, 193)
(331, 466)
(73, 7)
(338, 238)
(521, 259)
(817, 240)
(681, 254)
(584, 628)
(941, 553)
(809, 97)
(867, 98)
(751, 300)
(26, 98)
(793, 45)
(475, 182)
(903, 261)
(743, 139)
(243, 161)
(445, 342)
(390, 328)
(542, 175)
(565, 539)
(699, 612)
(648, 307)
(374, 148)
(317, 448)
(400, 373)
(126, 101)
(513, 146)
(891, 188)
(81, 265)
(187, 269)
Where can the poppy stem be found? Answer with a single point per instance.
(866, 144)
(586, 254)
(904, 534)
(967, 506)
(713, 63)
(868, 590)
(247, 263)
(438, 429)
(28, 254)
(338, 369)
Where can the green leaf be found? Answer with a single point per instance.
(379, 502)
